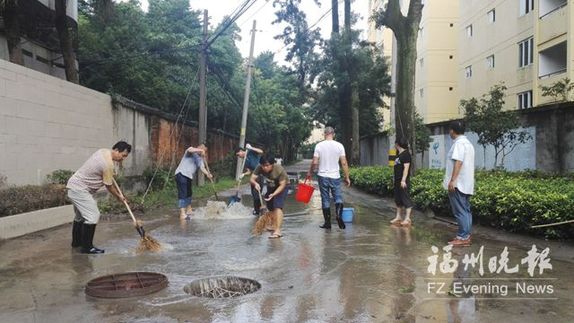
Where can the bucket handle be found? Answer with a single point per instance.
(307, 178)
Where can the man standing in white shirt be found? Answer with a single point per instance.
(459, 181)
(328, 153)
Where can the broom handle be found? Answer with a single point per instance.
(260, 198)
(124, 200)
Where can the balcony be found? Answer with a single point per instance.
(553, 19)
(547, 7)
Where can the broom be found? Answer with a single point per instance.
(264, 220)
(211, 179)
(147, 242)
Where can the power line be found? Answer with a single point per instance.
(226, 24)
(311, 27)
(247, 19)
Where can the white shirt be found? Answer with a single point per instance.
(329, 152)
(461, 150)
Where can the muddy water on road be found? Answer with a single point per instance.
(370, 272)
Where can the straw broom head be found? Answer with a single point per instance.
(264, 220)
(148, 243)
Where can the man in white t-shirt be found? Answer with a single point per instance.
(459, 181)
(328, 153)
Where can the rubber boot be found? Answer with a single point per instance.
(339, 212)
(88, 239)
(327, 217)
(77, 234)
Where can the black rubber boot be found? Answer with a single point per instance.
(327, 217)
(76, 234)
(88, 231)
(339, 212)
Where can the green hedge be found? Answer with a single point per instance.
(510, 201)
(15, 200)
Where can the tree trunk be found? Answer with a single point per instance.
(335, 16)
(347, 15)
(405, 30)
(12, 23)
(355, 155)
(404, 101)
(66, 36)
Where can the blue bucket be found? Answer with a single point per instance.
(347, 215)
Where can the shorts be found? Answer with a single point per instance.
(278, 201)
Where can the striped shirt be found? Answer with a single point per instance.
(96, 172)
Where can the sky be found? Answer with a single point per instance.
(264, 13)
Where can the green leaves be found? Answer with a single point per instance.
(493, 125)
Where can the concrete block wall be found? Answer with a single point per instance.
(47, 124)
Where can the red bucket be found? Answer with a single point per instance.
(304, 192)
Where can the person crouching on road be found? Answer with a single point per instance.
(96, 172)
(252, 156)
(191, 161)
(276, 178)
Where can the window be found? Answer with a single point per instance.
(526, 52)
(491, 16)
(490, 62)
(469, 31)
(421, 32)
(422, 62)
(526, 6)
(468, 72)
(422, 92)
(525, 100)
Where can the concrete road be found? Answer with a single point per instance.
(369, 272)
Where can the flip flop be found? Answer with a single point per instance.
(275, 236)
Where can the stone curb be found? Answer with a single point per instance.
(20, 224)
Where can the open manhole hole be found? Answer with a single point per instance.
(126, 285)
(222, 287)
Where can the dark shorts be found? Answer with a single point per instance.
(402, 197)
(278, 201)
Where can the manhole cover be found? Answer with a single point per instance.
(222, 287)
(126, 285)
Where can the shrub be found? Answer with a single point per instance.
(60, 176)
(28, 198)
(510, 201)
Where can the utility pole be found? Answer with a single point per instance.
(202, 93)
(246, 100)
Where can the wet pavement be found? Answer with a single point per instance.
(369, 272)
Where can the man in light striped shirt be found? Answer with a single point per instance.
(96, 172)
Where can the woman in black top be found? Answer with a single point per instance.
(402, 183)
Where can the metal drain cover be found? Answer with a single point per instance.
(126, 285)
(222, 287)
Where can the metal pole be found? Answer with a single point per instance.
(246, 100)
(202, 92)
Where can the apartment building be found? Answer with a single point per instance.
(523, 43)
(38, 35)
(436, 90)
